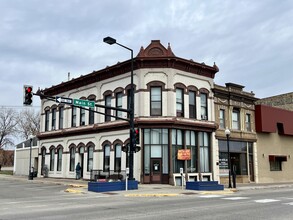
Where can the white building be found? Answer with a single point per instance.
(22, 157)
(174, 109)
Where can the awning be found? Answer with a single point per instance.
(277, 158)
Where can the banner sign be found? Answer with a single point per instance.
(183, 154)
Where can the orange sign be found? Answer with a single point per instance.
(183, 154)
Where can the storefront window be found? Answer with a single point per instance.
(238, 155)
(177, 144)
(190, 137)
(204, 152)
(156, 146)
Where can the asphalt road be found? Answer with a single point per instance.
(30, 200)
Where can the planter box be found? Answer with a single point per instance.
(204, 185)
(111, 186)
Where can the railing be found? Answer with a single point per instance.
(107, 176)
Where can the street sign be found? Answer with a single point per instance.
(64, 100)
(83, 103)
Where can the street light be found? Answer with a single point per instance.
(30, 173)
(227, 132)
(110, 40)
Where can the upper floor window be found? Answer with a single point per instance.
(61, 117)
(107, 110)
(192, 104)
(54, 118)
(179, 103)
(222, 118)
(47, 114)
(248, 122)
(82, 116)
(236, 119)
(91, 116)
(128, 100)
(119, 104)
(156, 101)
(204, 106)
(73, 117)
(106, 166)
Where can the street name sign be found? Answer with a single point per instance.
(83, 103)
(64, 100)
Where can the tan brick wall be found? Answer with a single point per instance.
(284, 101)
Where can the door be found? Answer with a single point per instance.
(251, 170)
(156, 170)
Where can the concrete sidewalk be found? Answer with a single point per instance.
(144, 190)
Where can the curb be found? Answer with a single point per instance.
(70, 190)
(224, 192)
(151, 195)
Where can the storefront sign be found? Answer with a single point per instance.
(183, 154)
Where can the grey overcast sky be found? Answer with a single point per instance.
(42, 40)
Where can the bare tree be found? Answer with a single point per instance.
(28, 123)
(8, 126)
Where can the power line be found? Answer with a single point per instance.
(18, 106)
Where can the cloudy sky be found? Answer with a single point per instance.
(42, 40)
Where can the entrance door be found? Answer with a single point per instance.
(156, 170)
(251, 170)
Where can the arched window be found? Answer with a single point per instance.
(117, 165)
(43, 152)
(204, 106)
(106, 167)
(90, 156)
(52, 157)
(72, 159)
(59, 158)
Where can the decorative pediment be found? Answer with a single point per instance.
(156, 49)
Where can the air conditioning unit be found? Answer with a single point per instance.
(204, 117)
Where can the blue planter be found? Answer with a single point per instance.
(204, 185)
(111, 186)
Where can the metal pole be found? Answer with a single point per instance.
(229, 161)
(110, 40)
(30, 177)
(131, 118)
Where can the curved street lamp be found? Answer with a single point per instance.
(110, 40)
(30, 172)
(228, 133)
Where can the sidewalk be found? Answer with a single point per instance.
(144, 190)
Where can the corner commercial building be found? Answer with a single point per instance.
(174, 109)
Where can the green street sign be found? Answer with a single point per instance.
(83, 103)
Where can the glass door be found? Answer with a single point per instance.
(156, 170)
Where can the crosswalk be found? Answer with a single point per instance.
(283, 201)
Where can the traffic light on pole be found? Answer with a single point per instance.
(28, 95)
(125, 149)
(136, 147)
(136, 133)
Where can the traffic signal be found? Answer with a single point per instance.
(28, 95)
(136, 133)
(136, 149)
(124, 149)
